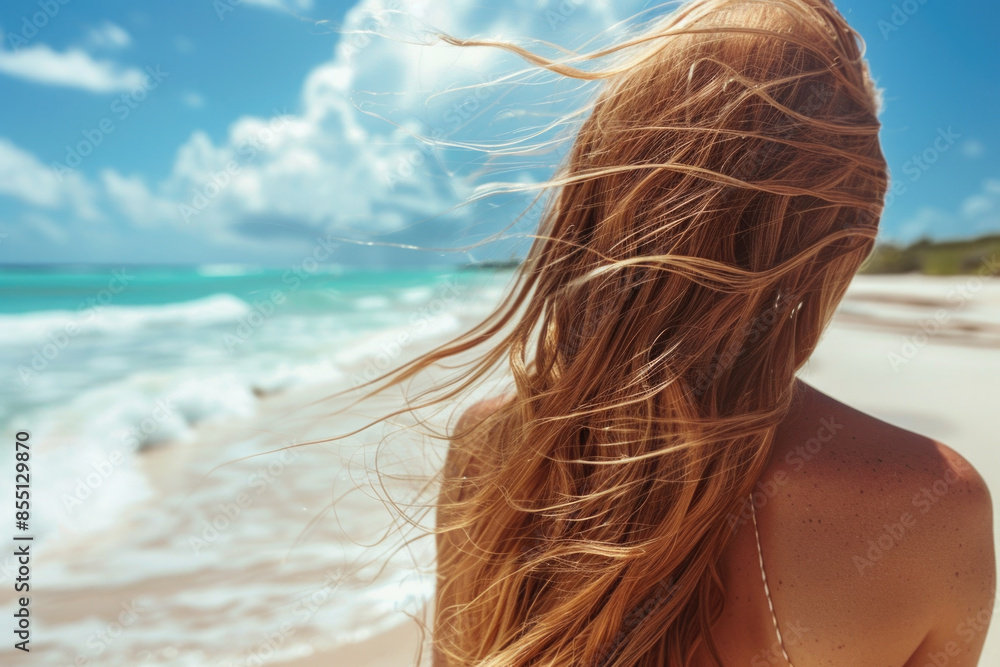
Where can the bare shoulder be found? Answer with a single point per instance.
(842, 444)
(874, 517)
(828, 441)
(477, 412)
(463, 457)
(461, 468)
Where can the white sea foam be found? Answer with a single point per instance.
(36, 328)
(372, 302)
(224, 270)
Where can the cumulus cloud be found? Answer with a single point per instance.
(47, 227)
(336, 163)
(24, 177)
(73, 68)
(344, 160)
(108, 36)
(131, 197)
(977, 205)
(979, 214)
(983, 208)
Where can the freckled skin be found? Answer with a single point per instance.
(877, 543)
(878, 549)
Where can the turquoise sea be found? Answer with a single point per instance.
(137, 383)
(67, 331)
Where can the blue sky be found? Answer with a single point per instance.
(235, 131)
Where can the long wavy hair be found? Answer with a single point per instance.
(715, 204)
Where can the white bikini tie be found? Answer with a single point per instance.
(767, 591)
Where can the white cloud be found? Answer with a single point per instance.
(973, 149)
(330, 164)
(977, 205)
(132, 198)
(979, 214)
(291, 5)
(193, 99)
(928, 222)
(335, 165)
(48, 227)
(108, 36)
(982, 210)
(24, 177)
(73, 69)
(183, 45)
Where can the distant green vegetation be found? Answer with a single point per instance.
(944, 258)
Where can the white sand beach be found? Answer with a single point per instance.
(248, 564)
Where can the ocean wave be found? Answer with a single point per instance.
(39, 327)
(226, 270)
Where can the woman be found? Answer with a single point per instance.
(658, 488)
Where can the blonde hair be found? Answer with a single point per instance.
(703, 228)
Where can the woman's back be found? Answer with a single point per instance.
(877, 547)
(876, 542)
